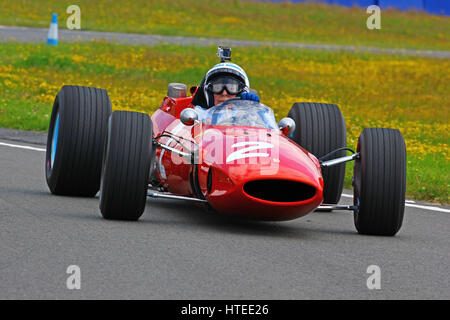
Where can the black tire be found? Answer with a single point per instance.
(126, 166)
(320, 129)
(379, 181)
(75, 140)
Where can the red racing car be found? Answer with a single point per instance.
(233, 158)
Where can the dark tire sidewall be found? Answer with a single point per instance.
(52, 172)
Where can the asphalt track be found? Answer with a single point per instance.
(39, 35)
(179, 251)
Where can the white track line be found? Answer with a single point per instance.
(408, 203)
(427, 207)
(21, 147)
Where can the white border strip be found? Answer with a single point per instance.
(22, 147)
(409, 203)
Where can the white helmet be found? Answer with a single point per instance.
(224, 69)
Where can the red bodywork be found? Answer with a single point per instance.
(235, 171)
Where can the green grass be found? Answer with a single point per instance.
(407, 93)
(429, 178)
(23, 115)
(250, 20)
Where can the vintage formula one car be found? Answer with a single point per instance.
(234, 158)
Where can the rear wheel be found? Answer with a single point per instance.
(379, 181)
(320, 129)
(126, 166)
(75, 140)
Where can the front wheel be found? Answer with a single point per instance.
(379, 181)
(126, 166)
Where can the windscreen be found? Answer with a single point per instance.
(240, 113)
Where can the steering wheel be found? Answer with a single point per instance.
(230, 101)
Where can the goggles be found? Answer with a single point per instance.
(230, 85)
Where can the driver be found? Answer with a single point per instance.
(225, 81)
(221, 83)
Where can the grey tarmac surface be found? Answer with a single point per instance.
(177, 250)
(39, 35)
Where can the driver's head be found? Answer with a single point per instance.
(223, 82)
(224, 88)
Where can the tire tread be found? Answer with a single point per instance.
(320, 129)
(127, 166)
(83, 112)
(382, 173)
